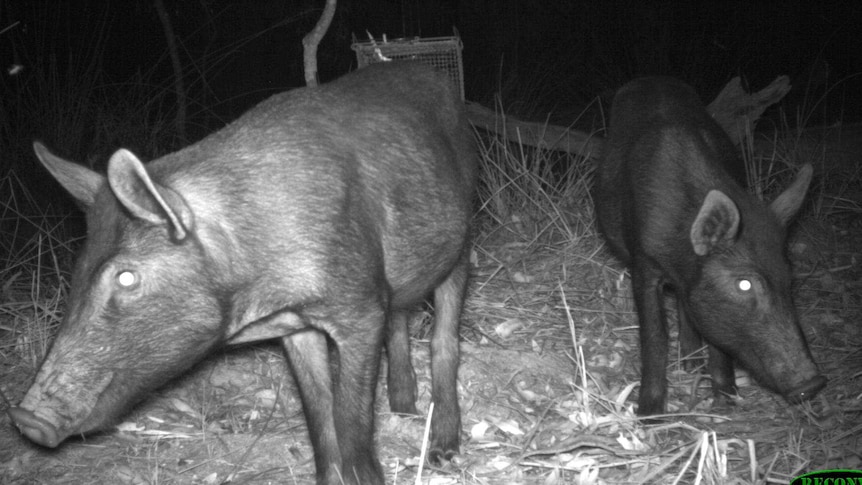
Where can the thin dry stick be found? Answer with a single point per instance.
(752, 459)
(579, 354)
(580, 441)
(424, 444)
(704, 452)
(703, 441)
(719, 465)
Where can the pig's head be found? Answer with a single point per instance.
(143, 307)
(742, 300)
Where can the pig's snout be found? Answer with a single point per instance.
(806, 390)
(37, 429)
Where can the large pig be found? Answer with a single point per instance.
(670, 204)
(317, 217)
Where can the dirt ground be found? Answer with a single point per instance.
(548, 380)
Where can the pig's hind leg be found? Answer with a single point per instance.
(445, 358)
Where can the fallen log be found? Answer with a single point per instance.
(733, 109)
(540, 135)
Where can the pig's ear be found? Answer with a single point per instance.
(787, 204)
(145, 199)
(716, 223)
(80, 181)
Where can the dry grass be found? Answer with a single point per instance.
(549, 373)
(34, 273)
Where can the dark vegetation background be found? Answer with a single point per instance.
(95, 75)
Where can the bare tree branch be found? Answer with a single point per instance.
(734, 108)
(312, 40)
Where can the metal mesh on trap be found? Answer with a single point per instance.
(444, 53)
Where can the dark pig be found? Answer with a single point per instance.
(316, 218)
(670, 204)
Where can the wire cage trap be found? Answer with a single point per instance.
(444, 53)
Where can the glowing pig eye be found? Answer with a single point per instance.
(743, 285)
(127, 279)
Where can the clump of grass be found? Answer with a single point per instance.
(536, 195)
(37, 257)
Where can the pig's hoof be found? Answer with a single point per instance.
(807, 390)
(651, 420)
(648, 408)
(439, 457)
(33, 427)
(651, 413)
